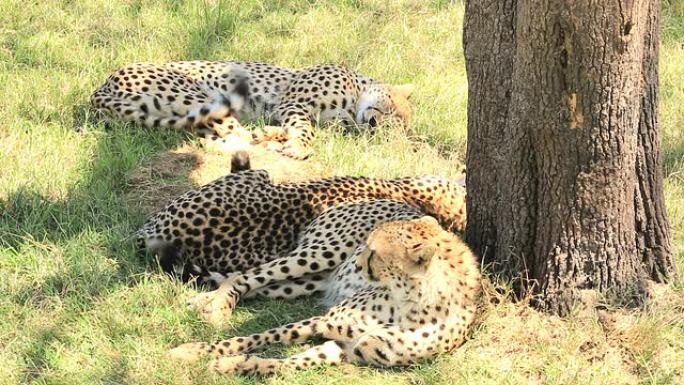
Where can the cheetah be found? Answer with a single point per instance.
(282, 240)
(417, 290)
(215, 97)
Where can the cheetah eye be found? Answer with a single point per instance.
(372, 122)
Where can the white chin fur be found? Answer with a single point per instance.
(461, 181)
(236, 102)
(366, 100)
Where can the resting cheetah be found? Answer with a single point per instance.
(417, 298)
(283, 239)
(215, 96)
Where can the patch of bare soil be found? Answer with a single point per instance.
(167, 175)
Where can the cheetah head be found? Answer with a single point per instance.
(382, 103)
(419, 261)
(399, 251)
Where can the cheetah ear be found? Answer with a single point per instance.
(461, 179)
(404, 90)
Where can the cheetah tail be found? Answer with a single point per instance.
(240, 162)
(240, 93)
(225, 104)
(461, 180)
(221, 107)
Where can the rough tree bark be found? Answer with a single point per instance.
(564, 167)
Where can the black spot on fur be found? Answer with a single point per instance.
(241, 87)
(168, 256)
(381, 355)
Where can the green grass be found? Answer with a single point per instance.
(77, 306)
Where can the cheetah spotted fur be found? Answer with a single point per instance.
(416, 298)
(283, 240)
(215, 97)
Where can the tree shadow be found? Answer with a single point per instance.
(36, 356)
(83, 239)
(92, 205)
(78, 248)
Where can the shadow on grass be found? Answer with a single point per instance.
(74, 251)
(67, 252)
(36, 356)
(92, 215)
(95, 204)
(40, 354)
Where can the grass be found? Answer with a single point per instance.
(79, 307)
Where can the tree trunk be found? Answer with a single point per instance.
(564, 167)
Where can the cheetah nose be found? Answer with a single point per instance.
(372, 122)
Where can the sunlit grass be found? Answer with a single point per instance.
(78, 306)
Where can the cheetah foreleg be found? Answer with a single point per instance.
(287, 334)
(298, 124)
(330, 353)
(216, 306)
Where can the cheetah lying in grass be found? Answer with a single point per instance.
(283, 240)
(214, 97)
(415, 297)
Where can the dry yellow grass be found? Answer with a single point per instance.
(78, 306)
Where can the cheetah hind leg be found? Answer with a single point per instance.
(297, 122)
(299, 287)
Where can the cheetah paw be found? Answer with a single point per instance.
(228, 144)
(269, 134)
(296, 151)
(232, 364)
(272, 145)
(190, 352)
(214, 307)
